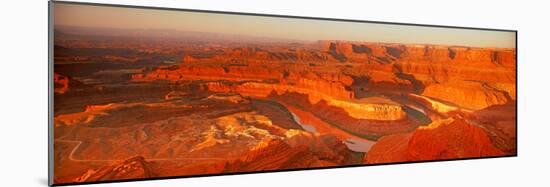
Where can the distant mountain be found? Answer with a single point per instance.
(72, 31)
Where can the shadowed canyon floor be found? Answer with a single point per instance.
(130, 109)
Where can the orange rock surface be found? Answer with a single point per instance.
(132, 168)
(467, 94)
(301, 150)
(451, 138)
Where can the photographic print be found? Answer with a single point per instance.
(147, 93)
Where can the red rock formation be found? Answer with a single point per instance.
(423, 64)
(326, 147)
(473, 78)
(467, 94)
(328, 84)
(303, 150)
(184, 72)
(452, 138)
(468, 54)
(357, 52)
(340, 118)
(274, 155)
(374, 109)
(505, 58)
(132, 168)
(175, 95)
(248, 55)
(189, 59)
(437, 53)
(459, 139)
(390, 148)
(61, 83)
(500, 122)
(419, 52)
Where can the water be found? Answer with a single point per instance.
(307, 127)
(357, 145)
(353, 144)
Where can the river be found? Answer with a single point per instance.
(316, 125)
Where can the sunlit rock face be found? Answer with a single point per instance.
(444, 139)
(467, 94)
(141, 108)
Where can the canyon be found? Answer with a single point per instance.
(135, 109)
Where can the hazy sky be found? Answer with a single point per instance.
(300, 29)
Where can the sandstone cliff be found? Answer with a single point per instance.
(451, 138)
(467, 94)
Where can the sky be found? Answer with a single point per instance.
(274, 27)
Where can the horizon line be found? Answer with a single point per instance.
(281, 40)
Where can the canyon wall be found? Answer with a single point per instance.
(375, 111)
(331, 88)
(468, 94)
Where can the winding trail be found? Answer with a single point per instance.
(78, 143)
